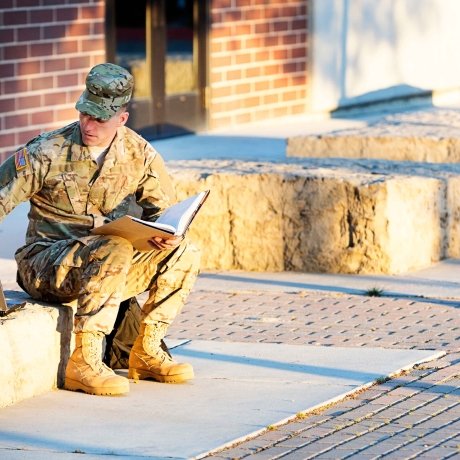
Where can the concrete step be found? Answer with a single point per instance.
(35, 341)
(431, 135)
(326, 215)
(323, 215)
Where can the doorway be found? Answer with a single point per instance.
(163, 44)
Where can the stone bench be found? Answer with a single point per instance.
(427, 136)
(323, 215)
(35, 343)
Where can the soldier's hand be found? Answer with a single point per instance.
(166, 243)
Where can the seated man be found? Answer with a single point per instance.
(77, 178)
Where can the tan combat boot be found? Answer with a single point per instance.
(148, 360)
(86, 372)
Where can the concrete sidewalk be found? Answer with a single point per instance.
(268, 415)
(254, 385)
(414, 414)
(440, 281)
(330, 321)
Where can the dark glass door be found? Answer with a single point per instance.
(163, 44)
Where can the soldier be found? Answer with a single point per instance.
(77, 178)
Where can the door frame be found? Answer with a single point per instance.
(156, 52)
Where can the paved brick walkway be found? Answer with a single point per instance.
(414, 415)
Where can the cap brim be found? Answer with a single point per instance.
(92, 108)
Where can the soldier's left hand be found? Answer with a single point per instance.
(166, 243)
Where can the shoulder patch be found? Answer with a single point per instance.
(21, 159)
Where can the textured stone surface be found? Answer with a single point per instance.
(34, 344)
(428, 135)
(333, 216)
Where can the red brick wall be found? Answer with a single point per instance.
(258, 60)
(46, 49)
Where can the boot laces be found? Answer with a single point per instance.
(152, 342)
(94, 353)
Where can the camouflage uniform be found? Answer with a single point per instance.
(69, 195)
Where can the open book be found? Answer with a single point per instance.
(174, 221)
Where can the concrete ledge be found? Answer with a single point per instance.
(431, 136)
(35, 343)
(336, 216)
(364, 145)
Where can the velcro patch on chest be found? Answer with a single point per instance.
(21, 160)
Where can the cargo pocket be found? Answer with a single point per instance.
(32, 263)
(67, 277)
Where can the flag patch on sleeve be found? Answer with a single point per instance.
(21, 159)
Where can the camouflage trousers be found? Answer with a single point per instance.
(99, 272)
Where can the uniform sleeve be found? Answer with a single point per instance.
(20, 179)
(156, 191)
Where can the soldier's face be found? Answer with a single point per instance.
(100, 133)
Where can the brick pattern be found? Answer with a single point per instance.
(258, 60)
(414, 415)
(324, 319)
(46, 48)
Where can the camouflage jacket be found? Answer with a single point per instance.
(68, 193)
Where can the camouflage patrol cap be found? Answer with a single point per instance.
(108, 87)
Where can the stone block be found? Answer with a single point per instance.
(452, 219)
(360, 145)
(413, 215)
(423, 136)
(35, 344)
(275, 217)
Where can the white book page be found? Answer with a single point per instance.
(165, 227)
(180, 214)
(176, 218)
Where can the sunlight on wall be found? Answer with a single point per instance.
(366, 50)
